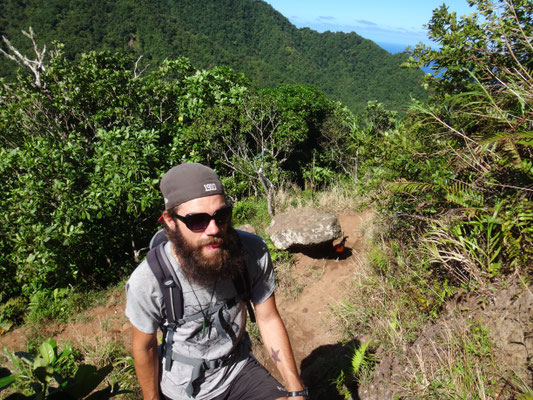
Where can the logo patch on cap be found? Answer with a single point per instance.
(209, 187)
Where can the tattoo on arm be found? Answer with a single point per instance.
(275, 355)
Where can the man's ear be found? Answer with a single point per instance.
(171, 223)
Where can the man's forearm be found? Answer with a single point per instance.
(147, 368)
(278, 346)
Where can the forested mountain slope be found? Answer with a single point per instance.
(248, 35)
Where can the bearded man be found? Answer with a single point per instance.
(206, 254)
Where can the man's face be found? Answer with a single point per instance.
(207, 256)
(209, 241)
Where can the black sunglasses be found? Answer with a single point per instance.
(199, 222)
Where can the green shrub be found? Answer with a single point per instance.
(81, 157)
(251, 210)
(59, 304)
(53, 375)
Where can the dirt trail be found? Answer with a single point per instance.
(308, 317)
(320, 281)
(323, 279)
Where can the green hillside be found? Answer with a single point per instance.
(247, 35)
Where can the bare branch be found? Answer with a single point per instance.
(35, 66)
(136, 73)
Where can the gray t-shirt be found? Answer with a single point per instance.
(144, 308)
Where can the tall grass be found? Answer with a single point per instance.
(460, 363)
(340, 195)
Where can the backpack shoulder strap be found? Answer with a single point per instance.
(172, 296)
(168, 283)
(244, 290)
(159, 237)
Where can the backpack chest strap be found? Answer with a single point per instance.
(220, 324)
(222, 327)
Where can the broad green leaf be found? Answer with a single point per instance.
(6, 381)
(87, 378)
(48, 351)
(44, 373)
(64, 354)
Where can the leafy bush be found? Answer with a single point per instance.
(54, 375)
(60, 304)
(11, 312)
(82, 154)
(474, 189)
(453, 187)
(251, 210)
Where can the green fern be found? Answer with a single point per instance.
(517, 229)
(379, 259)
(521, 137)
(489, 241)
(509, 141)
(460, 193)
(340, 385)
(400, 187)
(527, 167)
(359, 358)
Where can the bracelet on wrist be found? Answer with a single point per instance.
(304, 393)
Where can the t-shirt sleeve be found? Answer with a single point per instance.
(259, 266)
(144, 300)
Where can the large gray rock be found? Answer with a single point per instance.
(303, 228)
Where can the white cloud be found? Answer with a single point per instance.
(367, 29)
(364, 22)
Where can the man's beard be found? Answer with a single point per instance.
(203, 270)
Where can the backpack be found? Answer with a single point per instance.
(173, 300)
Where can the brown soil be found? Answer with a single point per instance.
(319, 283)
(99, 325)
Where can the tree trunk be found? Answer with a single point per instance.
(268, 187)
(355, 177)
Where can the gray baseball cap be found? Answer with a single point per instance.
(189, 181)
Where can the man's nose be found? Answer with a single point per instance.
(212, 229)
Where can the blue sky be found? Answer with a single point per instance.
(382, 21)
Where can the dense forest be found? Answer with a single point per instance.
(85, 139)
(249, 36)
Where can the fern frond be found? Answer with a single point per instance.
(526, 142)
(359, 357)
(462, 194)
(503, 136)
(510, 139)
(527, 167)
(400, 187)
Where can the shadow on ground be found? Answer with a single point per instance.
(323, 366)
(323, 252)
